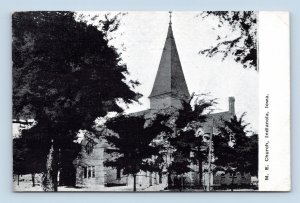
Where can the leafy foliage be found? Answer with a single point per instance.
(234, 150)
(244, 46)
(64, 67)
(65, 75)
(186, 142)
(132, 141)
(193, 113)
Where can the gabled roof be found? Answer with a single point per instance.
(170, 78)
(216, 120)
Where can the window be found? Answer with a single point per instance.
(93, 171)
(118, 173)
(84, 171)
(89, 172)
(200, 132)
(90, 145)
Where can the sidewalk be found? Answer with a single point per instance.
(156, 188)
(27, 187)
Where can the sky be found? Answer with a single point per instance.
(140, 40)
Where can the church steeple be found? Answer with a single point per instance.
(169, 86)
(170, 12)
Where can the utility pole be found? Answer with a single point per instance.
(209, 154)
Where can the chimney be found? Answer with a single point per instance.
(231, 105)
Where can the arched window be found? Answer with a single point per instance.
(90, 144)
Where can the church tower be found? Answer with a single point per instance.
(169, 87)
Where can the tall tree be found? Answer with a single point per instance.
(65, 75)
(132, 142)
(181, 156)
(186, 140)
(243, 46)
(234, 150)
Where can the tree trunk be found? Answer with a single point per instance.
(232, 181)
(134, 182)
(200, 174)
(181, 183)
(18, 179)
(159, 177)
(169, 181)
(150, 179)
(33, 179)
(50, 175)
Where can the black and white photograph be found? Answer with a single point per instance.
(136, 101)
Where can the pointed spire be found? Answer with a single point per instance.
(170, 79)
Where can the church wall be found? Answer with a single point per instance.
(165, 101)
(177, 103)
(89, 167)
(160, 102)
(112, 178)
(226, 179)
(146, 179)
(193, 176)
(90, 171)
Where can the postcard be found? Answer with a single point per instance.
(168, 101)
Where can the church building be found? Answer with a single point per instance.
(168, 91)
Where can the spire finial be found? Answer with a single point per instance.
(170, 15)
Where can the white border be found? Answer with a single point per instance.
(274, 80)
